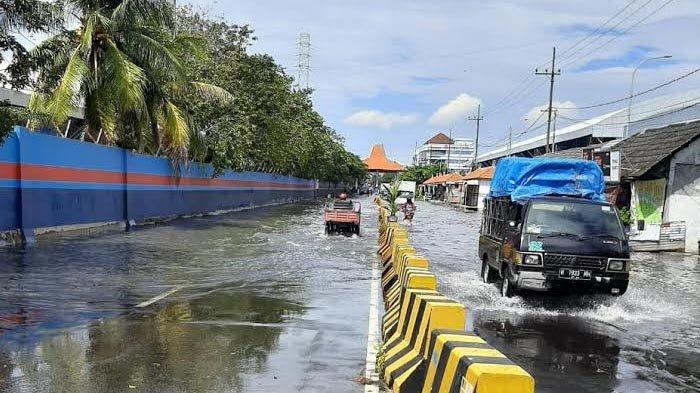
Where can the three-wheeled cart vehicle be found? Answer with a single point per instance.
(342, 215)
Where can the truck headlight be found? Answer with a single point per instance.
(532, 259)
(617, 265)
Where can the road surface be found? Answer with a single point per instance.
(644, 341)
(254, 301)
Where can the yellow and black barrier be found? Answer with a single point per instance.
(463, 362)
(426, 348)
(406, 355)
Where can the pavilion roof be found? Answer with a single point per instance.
(378, 162)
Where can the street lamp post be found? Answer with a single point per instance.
(634, 74)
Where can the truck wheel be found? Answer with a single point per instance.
(486, 271)
(507, 288)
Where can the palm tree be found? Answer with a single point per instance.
(122, 65)
(393, 192)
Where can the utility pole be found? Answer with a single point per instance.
(478, 118)
(554, 132)
(510, 139)
(304, 60)
(449, 149)
(415, 154)
(551, 73)
(554, 127)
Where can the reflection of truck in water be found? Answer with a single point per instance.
(546, 226)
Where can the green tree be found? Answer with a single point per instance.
(419, 174)
(10, 117)
(16, 18)
(271, 125)
(123, 65)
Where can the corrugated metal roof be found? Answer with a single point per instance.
(642, 151)
(576, 152)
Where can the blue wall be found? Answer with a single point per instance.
(47, 181)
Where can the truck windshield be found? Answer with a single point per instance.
(571, 218)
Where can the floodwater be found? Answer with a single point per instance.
(648, 340)
(254, 301)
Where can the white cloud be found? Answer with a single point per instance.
(377, 119)
(564, 109)
(457, 109)
(361, 61)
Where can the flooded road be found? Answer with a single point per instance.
(254, 301)
(644, 341)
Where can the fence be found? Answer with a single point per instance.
(46, 181)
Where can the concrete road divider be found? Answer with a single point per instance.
(410, 277)
(398, 239)
(397, 315)
(463, 362)
(391, 267)
(404, 352)
(419, 279)
(390, 270)
(426, 348)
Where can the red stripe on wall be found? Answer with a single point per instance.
(9, 171)
(58, 174)
(52, 173)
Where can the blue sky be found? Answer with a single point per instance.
(397, 72)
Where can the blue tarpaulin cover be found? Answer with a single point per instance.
(523, 178)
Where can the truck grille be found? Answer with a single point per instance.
(574, 261)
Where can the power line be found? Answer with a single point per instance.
(642, 92)
(519, 98)
(594, 32)
(530, 128)
(609, 30)
(510, 97)
(650, 117)
(656, 11)
(513, 98)
(505, 98)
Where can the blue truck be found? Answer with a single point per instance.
(547, 227)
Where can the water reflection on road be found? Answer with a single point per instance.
(644, 341)
(265, 302)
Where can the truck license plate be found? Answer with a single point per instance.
(574, 274)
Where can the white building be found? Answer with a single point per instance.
(477, 185)
(440, 149)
